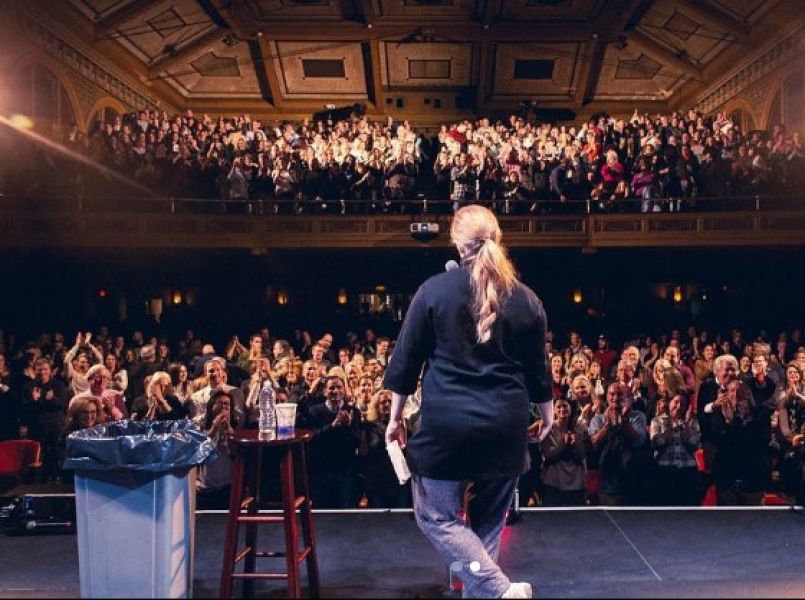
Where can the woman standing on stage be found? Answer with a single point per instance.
(481, 334)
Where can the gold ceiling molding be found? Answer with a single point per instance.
(32, 32)
(787, 49)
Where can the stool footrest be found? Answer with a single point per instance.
(300, 556)
(271, 576)
(258, 519)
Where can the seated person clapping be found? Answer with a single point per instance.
(158, 403)
(214, 477)
(675, 438)
(564, 451)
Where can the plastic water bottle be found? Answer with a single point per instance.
(268, 412)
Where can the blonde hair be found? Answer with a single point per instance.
(476, 233)
(674, 382)
(373, 410)
(158, 378)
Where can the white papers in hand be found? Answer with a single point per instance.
(398, 462)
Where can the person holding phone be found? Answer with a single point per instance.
(480, 333)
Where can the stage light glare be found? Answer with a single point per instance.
(21, 122)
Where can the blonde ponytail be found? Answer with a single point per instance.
(476, 234)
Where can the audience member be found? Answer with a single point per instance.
(675, 438)
(333, 462)
(564, 451)
(618, 434)
(741, 467)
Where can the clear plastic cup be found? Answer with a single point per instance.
(286, 418)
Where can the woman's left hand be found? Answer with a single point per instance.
(395, 432)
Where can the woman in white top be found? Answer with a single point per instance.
(77, 364)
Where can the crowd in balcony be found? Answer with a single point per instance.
(645, 162)
(661, 420)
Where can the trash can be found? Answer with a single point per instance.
(135, 492)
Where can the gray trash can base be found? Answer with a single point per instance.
(140, 538)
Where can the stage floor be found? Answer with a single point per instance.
(564, 554)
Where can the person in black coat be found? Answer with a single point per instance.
(741, 469)
(333, 449)
(45, 414)
(480, 334)
(382, 485)
(712, 389)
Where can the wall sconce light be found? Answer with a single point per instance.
(577, 297)
(677, 294)
(177, 297)
(282, 297)
(342, 297)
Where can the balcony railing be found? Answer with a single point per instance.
(201, 223)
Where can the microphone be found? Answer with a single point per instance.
(450, 265)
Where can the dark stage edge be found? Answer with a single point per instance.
(563, 554)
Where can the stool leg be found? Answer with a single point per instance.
(308, 535)
(249, 563)
(291, 530)
(231, 540)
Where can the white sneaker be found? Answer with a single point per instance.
(519, 590)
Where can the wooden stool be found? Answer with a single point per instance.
(243, 504)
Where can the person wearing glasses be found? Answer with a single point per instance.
(110, 401)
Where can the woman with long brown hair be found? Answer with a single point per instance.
(480, 333)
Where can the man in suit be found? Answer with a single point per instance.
(333, 458)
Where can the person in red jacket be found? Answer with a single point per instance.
(604, 355)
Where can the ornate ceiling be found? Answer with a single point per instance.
(291, 55)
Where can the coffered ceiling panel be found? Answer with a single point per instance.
(630, 74)
(524, 70)
(745, 9)
(422, 65)
(163, 28)
(290, 9)
(572, 10)
(425, 9)
(221, 72)
(311, 70)
(683, 32)
(98, 8)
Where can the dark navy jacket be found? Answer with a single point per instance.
(475, 398)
